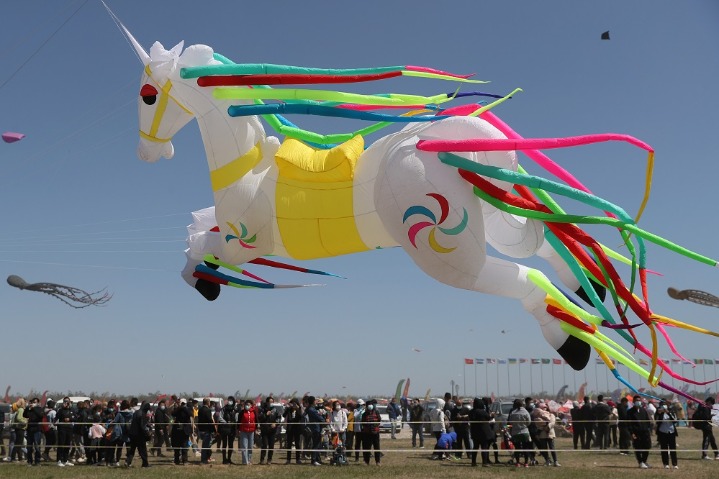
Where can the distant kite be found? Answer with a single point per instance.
(605, 35)
(12, 137)
(74, 297)
(695, 296)
(416, 350)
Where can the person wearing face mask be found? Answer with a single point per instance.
(139, 434)
(34, 413)
(247, 428)
(227, 429)
(162, 420)
(625, 436)
(269, 417)
(295, 423)
(181, 431)
(370, 433)
(338, 421)
(315, 422)
(666, 423)
(416, 418)
(640, 429)
(359, 411)
(207, 429)
(64, 432)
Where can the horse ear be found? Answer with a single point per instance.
(141, 53)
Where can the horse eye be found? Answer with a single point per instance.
(148, 94)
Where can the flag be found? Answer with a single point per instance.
(522, 361)
(502, 361)
(599, 360)
(686, 362)
(643, 362)
(556, 361)
(708, 361)
(676, 361)
(468, 361)
(698, 361)
(512, 360)
(491, 361)
(478, 361)
(716, 361)
(536, 361)
(546, 361)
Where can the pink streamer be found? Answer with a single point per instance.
(415, 68)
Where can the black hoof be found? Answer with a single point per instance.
(208, 289)
(575, 352)
(598, 288)
(212, 265)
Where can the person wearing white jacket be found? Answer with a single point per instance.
(437, 421)
(338, 420)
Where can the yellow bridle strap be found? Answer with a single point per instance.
(228, 174)
(153, 138)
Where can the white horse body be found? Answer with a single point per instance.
(390, 179)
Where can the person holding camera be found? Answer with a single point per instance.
(666, 423)
(269, 418)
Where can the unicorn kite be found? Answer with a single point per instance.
(442, 188)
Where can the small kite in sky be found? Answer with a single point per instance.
(416, 350)
(74, 297)
(695, 296)
(12, 137)
(605, 35)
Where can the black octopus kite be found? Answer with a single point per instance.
(695, 296)
(74, 297)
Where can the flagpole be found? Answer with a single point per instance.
(531, 377)
(475, 378)
(564, 373)
(496, 363)
(509, 386)
(715, 375)
(464, 379)
(486, 376)
(519, 366)
(554, 387)
(541, 372)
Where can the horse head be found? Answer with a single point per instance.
(162, 113)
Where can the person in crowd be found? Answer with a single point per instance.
(394, 411)
(294, 424)
(577, 425)
(51, 429)
(530, 406)
(140, 428)
(194, 437)
(437, 422)
(207, 430)
(370, 432)
(228, 427)
(416, 422)
(2, 430)
(121, 432)
(350, 433)
(34, 414)
(79, 432)
(181, 431)
(520, 420)
(108, 417)
(625, 436)
(666, 424)
(495, 429)
(586, 417)
(640, 427)
(613, 425)
(545, 421)
(338, 422)
(315, 422)
(702, 420)
(95, 434)
(679, 412)
(359, 411)
(18, 427)
(161, 421)
(460, 423)
(445, 443)
(481, 431)
(601, 412)
(247, 427)
(64, 433)
(269, 420)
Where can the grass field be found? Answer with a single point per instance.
(401, 460)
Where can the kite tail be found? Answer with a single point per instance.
(574, 245)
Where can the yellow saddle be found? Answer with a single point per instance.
(314, 199)
(301, 162)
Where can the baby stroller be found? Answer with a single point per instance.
(507, 444)
(339, 454)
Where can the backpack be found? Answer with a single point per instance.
(700, 417)
(45, 424)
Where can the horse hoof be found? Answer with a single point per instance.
(575, 352)
(209, 290)
(212, 265)
(598, 288)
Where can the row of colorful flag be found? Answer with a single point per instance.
(558, 362)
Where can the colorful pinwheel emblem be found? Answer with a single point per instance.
(245, 242)
(433, 223)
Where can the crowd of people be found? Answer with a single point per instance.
(309, 429)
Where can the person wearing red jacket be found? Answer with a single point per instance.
(247, 428)
(370, 432)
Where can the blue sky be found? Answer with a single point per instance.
(80, 209)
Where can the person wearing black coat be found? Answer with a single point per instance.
(481, 431)
(162, 420)
(640, 427)
(586, 416)
(181, 430)
(34, 413)
(139, 435)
